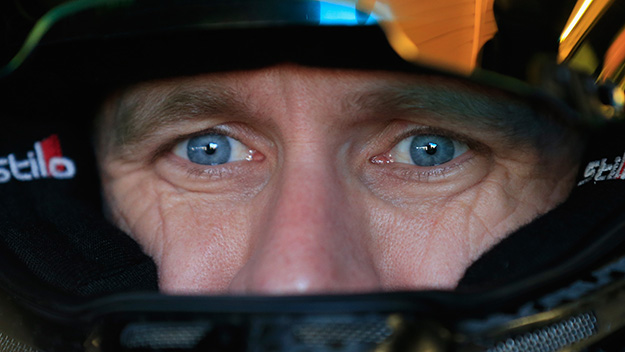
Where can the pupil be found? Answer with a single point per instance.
(210, 148)
(430, 148)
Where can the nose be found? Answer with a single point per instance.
(311, 238)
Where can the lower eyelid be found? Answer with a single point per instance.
(414, 173)
(210, 173)
(229, 178)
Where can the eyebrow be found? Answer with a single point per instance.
(465, 104)
(140, 116)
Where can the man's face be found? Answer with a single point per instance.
(308, 180)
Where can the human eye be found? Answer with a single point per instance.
(427, 150)
(212, 149)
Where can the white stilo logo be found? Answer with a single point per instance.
(45, 161)
(601, 170)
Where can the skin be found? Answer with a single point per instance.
(326, 203)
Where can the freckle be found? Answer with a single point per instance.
(382, 159)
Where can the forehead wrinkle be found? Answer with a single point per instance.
(142, 113)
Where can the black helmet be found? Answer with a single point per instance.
(71, 281)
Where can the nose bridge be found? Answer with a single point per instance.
(309, 238)
(307, 195)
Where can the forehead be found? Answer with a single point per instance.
(338, 83)
(259, 93)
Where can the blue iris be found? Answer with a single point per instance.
(209, 149)
(431, 150)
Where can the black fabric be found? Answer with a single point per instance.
(564, 231)
(55, 227)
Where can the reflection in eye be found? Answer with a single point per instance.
(212, 149)
(427, 150)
